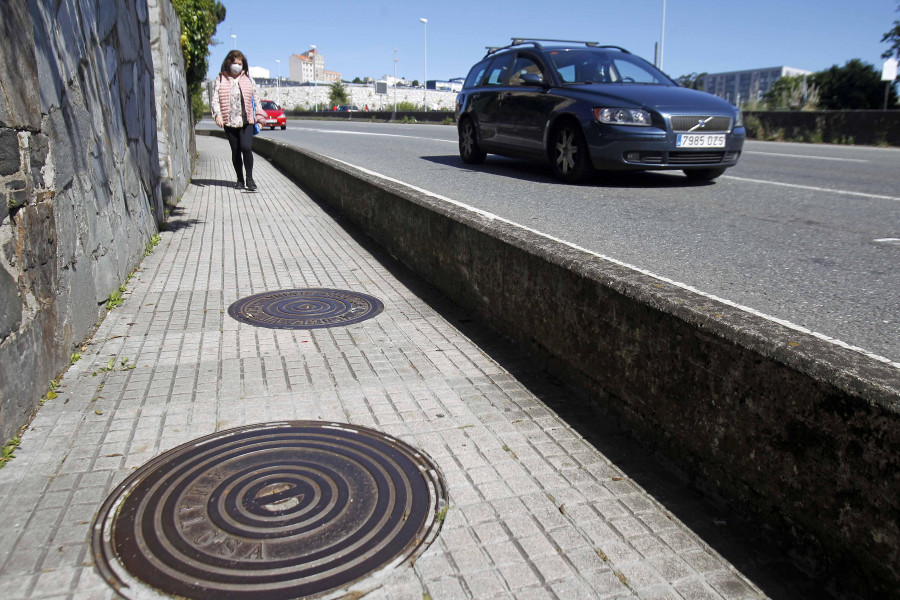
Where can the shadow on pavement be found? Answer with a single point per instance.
(175, 222)
(213, 182)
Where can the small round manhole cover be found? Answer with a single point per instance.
(309, 308)
(271, 511)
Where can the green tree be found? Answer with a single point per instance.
(356, 80)
(199, 19)
(856, 85)
(792, 92)
(694, 81)
(338, 94)
(892, 37)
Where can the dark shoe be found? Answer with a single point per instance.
(239, 185)
(251, 185)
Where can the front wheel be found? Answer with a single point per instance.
(469, 150)
(569, 154)
(703, 174)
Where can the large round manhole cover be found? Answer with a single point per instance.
(272, 511)
(309, 308)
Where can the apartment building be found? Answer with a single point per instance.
(745, 86)
(309, 67)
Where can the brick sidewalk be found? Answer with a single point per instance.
(535, 510)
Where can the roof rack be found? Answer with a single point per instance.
(615, 48)
(536, 42)
(522, 40)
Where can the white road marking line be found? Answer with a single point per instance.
(895, 241)
(813, 188)
(857, 160)
(678, 284)
(411, 137)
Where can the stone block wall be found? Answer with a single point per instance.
(80, 176)
(174, 124)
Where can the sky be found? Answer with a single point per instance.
(357, 37)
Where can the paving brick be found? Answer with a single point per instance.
(519, 575)
(484, 584)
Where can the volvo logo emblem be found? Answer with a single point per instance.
(701, 124)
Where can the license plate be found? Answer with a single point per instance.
(700, 140)
(271, 120)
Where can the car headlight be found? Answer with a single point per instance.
(739, 118)
(623, 116)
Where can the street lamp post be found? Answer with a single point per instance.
(315, 82)
(394, 116)
(278, 81)
(425, 81)
(662, 37)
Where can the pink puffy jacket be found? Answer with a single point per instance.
(247, 90)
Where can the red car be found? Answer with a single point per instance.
(274, 115)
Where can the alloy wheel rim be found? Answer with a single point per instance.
(565, 151)
(467, 139)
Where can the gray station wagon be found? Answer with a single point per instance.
(581, 106)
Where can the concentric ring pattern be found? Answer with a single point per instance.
(272, 511)
(308, 308)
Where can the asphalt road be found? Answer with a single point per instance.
(809, 234)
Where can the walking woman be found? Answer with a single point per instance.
(232, 106)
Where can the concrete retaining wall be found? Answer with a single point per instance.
(800, 431)
(421, 116)
(80, 176)
(306, 97)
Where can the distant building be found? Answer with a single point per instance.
(309, 67)
(396, 81)
(744, 86)
(258, 73)
(451, 85)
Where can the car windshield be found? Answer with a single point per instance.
(591, 66)
(269, 105)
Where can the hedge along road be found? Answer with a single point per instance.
(807, 234)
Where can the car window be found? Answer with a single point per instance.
(269, 105)
(499, 68)
(524, 66)
(584, 66)
(632, 72)
(476, 74)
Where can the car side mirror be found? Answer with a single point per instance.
(532, 79)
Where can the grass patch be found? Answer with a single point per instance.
(8, 452)
(441, 514)
(154, 241)
(115, 299)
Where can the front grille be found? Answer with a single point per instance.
(684, 123)
(695, 158)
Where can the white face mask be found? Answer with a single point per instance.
(236, 69)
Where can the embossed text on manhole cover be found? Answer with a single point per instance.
(271, 511)
(308, 308)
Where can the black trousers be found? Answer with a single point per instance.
(241, 139)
